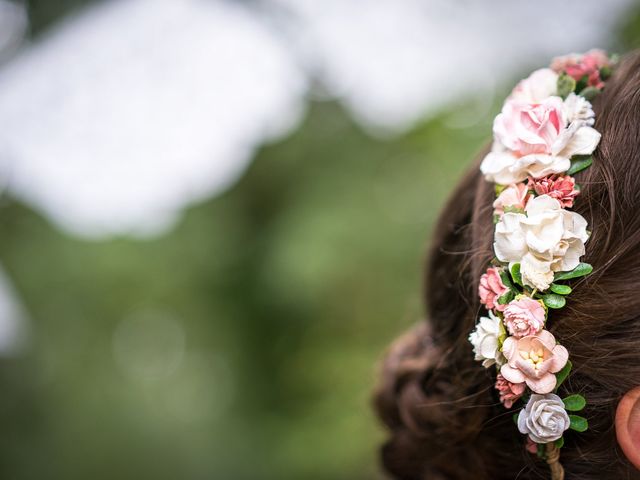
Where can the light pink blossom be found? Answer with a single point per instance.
(536, 87)
(562, 188)
(516, 195)
(531, 446)
(491, 289)
(530, 128)
(524, 317)
(534, 360)
(509, 392)
(577, 66)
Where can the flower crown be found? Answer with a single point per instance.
(542, 137)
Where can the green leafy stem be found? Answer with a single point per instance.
(553, 298)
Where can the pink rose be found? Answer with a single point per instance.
(524, 317)
(491, 288)
(530, 128)
(577, 66)
(509, 392)
(536, 87)
(534, 360)
(562, 188)
(516, 195)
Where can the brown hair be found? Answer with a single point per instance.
(440, 407)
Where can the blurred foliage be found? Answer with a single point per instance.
(629, 31)
(287, 289)
(243, 344)
(43, 13)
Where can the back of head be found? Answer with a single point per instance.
(443, 414)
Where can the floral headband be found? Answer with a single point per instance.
(542, 137)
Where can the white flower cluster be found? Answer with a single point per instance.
(535, 135)
(486, 340)
(541, 129)
(537, 132)
(544, 239)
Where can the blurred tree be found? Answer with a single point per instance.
(243, 344)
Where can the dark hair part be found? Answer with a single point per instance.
(440, 406)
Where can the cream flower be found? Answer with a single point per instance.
(534, 360)
(486, 340)
(535, 272)
(546, 239)
(539, 139)
(544, 418)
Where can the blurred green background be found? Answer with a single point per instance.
(243, 344)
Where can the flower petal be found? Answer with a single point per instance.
(488, 346)
(497, 167)
(542, 204)
(511, 374)
(547, 339)
(540, 165)
(583, 142)
(510, 245)
(575, 226)
(542, 385)
(559, 360)
(509, 347)
(536, 273)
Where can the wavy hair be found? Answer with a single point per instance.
(440, 407)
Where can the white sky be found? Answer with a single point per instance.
(124, 114)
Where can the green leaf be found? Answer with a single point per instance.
(506, 279)
(560, 442)
(515, 274)
(574, 403)
(506, 298)
(580, 271)
(582, 83)
(560, 289)
(513, 209)
(605, 72)
(566, 85)
(552, 300)
(589, 93)
(515, 418)
(562, 375)
(579, 163)
(578, 423)
(542, 450)
(499, 189)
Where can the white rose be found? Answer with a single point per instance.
(535, 272)
(544, 240)
(578, 109)
(544, 418)
(486, 340)
(539, 139)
